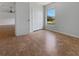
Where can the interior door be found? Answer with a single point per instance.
(36, 17)
(22, 23)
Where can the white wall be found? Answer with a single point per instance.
(67, 17)
(22, 24)
(7, 18)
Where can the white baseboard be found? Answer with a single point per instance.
(68, 34)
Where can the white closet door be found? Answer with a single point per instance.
(36, 17)
(22, 23)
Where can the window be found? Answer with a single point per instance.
(51, 16)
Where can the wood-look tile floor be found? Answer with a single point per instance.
(7, 31)
(40, 43)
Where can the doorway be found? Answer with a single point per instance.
(50, 20)
(7, 19)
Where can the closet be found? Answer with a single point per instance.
(29, 17)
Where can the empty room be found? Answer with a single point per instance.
(39, 28)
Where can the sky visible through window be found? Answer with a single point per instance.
(51, 12)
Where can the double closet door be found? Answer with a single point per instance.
(29, 17)
(36, 16)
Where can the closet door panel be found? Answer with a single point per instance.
(36, 16)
